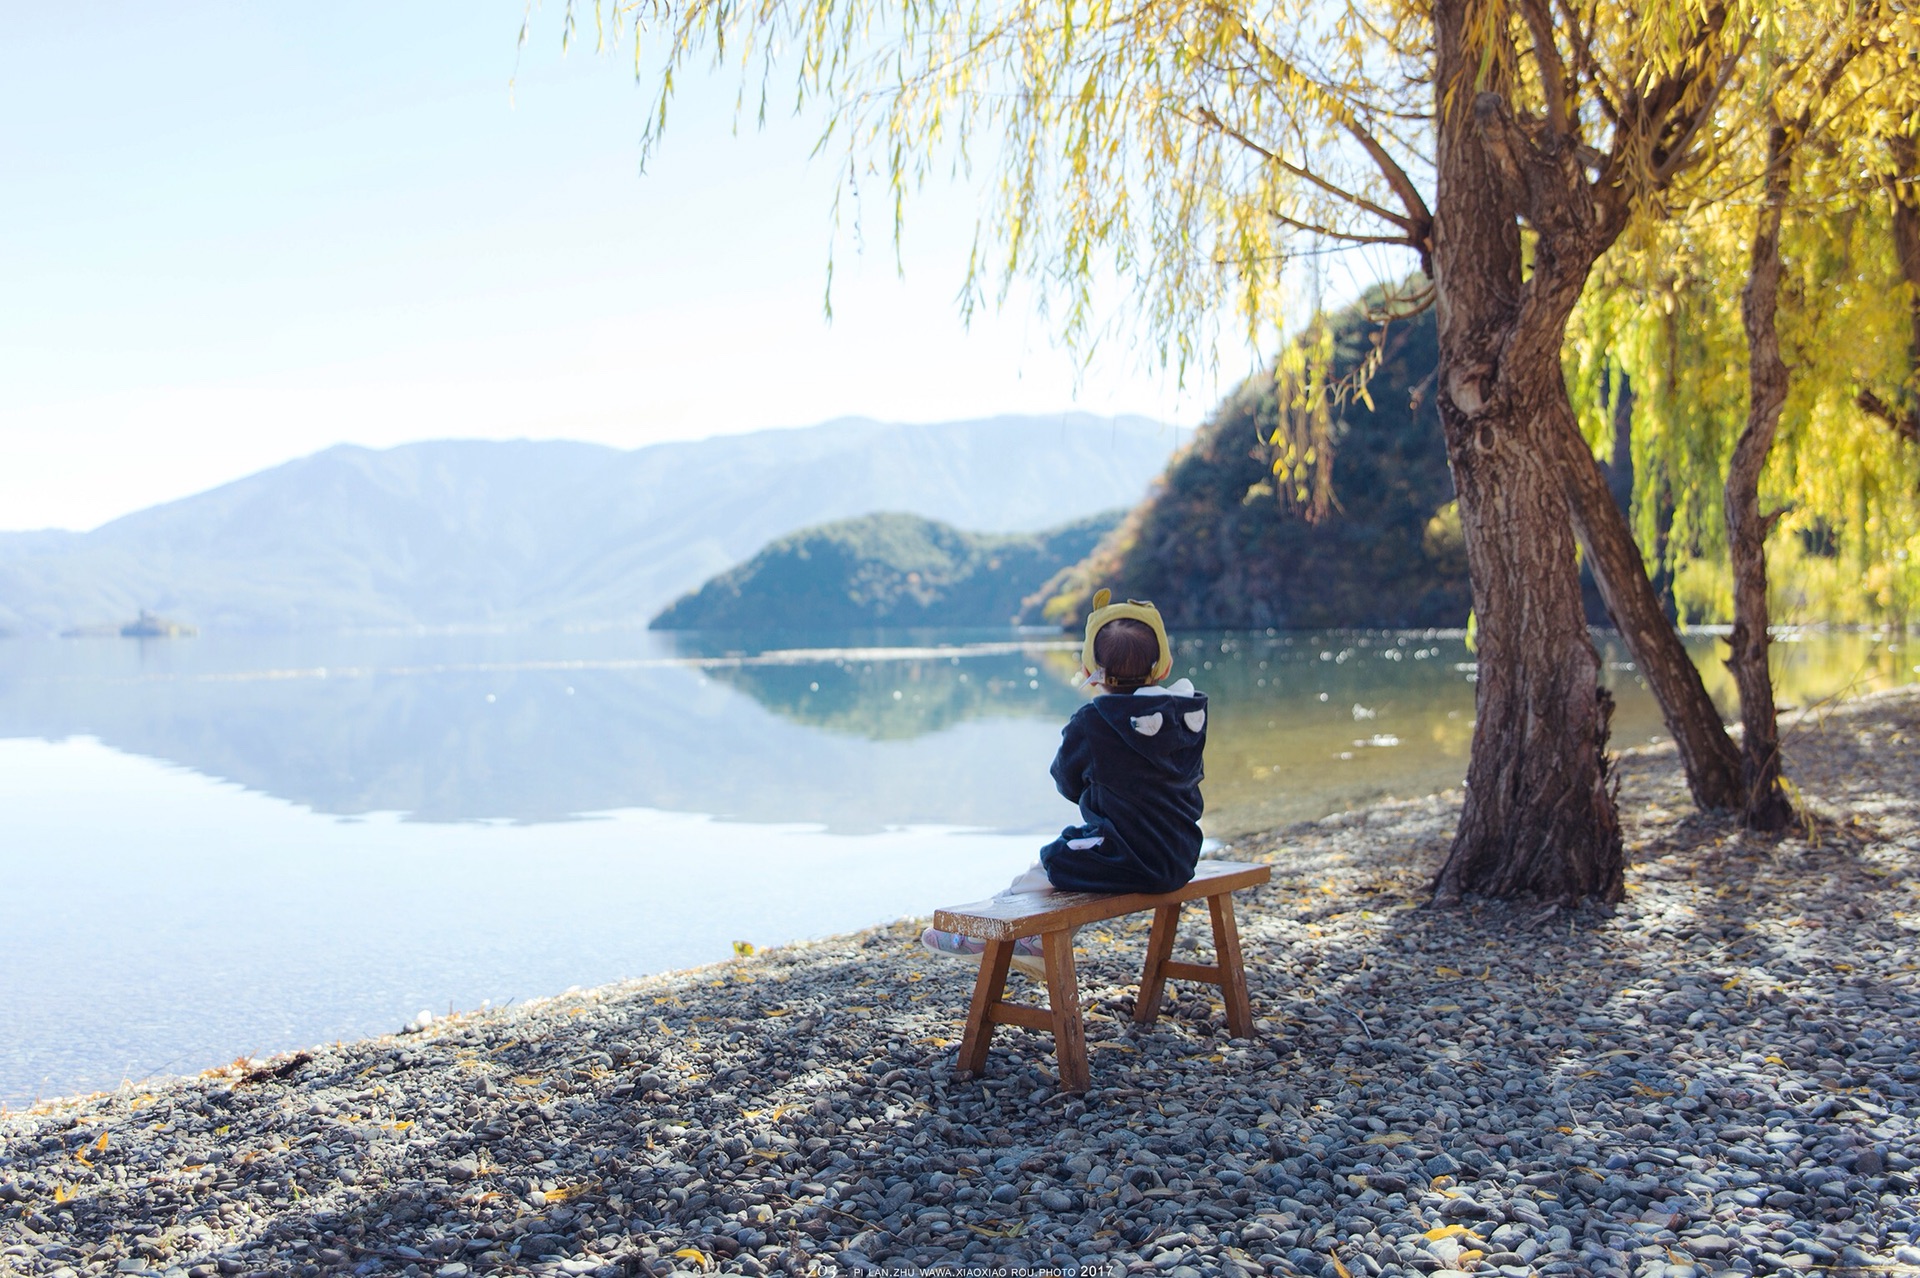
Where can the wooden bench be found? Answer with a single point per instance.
(1053, 916)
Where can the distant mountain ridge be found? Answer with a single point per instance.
(886, 570)
(465, 532)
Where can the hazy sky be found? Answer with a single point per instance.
(234, 233)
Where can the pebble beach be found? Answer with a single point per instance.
(1719, 1076)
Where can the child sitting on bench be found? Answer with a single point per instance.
(1131, 758)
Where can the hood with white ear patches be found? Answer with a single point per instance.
(1155, 722)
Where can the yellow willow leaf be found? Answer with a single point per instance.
(62, 1194)
(100, 1146)
(1448, 973)
(778, 1011)
(1469, 1255)
(697, 1256)
(1444, 1231)
(1339, 1266)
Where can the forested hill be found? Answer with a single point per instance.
(885, 570)
(1213, 546)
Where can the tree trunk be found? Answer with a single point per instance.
(1765, 804)
(1906, 235)
(1620, 468)
(1711, 760)
(1902, 412)
(1539, 817)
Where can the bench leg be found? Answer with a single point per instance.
(1153, 977)
(986, 992)
(1063, 1000)
(1233, 976)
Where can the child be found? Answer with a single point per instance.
(1131, 759)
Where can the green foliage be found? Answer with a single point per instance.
(884, 570)
(1217, 545)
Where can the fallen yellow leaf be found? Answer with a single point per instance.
(697, 1256)
(1011, 1231)
(1339, 1266)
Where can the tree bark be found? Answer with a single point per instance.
(1765, 804)
(1711, 760)
(1539, 817)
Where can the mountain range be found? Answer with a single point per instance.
(484, 533)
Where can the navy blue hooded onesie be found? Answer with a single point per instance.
(1132, 763)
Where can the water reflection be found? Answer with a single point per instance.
(852, 731)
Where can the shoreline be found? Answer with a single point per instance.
(1721, 1075)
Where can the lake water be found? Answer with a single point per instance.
(225, 846)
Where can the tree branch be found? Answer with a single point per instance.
(1553, 71)
(1581, 41)
(1206, 116)
(1905, 425)
(1404, 241)
(1418, 216)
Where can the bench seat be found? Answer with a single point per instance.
(1053, 916)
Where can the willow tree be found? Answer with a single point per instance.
(1828, 81)
(1187, 148)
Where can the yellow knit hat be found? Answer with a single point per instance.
(1136, 609)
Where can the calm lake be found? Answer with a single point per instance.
(222, 846)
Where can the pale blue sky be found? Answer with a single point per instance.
(234, 233)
